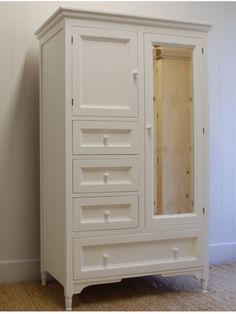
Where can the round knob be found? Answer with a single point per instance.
(176, 251)
(105, 259)
(106, 176)
(105, 139)
(135, 74)
(107, 214)
(149, 127)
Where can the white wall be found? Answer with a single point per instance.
(19, 114)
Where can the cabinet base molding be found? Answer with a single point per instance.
(200, 273)
(78, 287)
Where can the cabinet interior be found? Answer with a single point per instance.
(173, 130)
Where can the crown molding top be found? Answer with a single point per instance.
(63, 12)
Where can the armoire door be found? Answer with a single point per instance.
(104, 72)
(174, 102)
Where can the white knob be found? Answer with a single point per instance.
(176, 251)
(149, 127)
(135, 74)
(105, 259)
(106, 176)
(105, 139)
(107, 214)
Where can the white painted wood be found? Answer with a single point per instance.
(63, 12)
(103, 137)
(104, 81)
(68, 302)
(204, 285)
(103, 213)
(108, 175)
(119, 255)
(52, 127)
(44, 278)
(68, 287)
(140, 229)
(94, 171)
(80, 285)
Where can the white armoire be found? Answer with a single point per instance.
(123, 148)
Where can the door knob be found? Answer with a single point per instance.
(176, 252)
(135, 74)
(107, 214)
(105, 259)
(106, 176)
(149, 127)
(105, 139)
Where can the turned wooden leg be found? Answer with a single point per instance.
(204, 285)
(68, 303)
(44, 278)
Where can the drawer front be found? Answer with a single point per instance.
(105, 137)
(103, 213)
(135, 254)
(106, 175)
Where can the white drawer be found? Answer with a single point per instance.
(105, 137)
(103, 213)
(130, 254)
(105, 175)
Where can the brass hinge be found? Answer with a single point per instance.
(202, 50)
(72, 101)
(203, 130)
(72, 39)
(203, 210)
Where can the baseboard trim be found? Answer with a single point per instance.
(19, 270)
(222, 252)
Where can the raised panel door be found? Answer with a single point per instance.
(105, 72)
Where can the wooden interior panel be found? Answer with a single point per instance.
(173, 108)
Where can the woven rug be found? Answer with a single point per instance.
(152, 293)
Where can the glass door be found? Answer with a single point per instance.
(174, 129)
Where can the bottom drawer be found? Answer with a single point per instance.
(130, 254)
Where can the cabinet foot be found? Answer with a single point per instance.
(44, 278)
(204, 285)
(68, 303)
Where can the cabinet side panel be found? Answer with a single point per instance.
(53, 157)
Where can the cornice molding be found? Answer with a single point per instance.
(63, 12)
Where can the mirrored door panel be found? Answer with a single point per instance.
(174, 139)
(173, 130)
